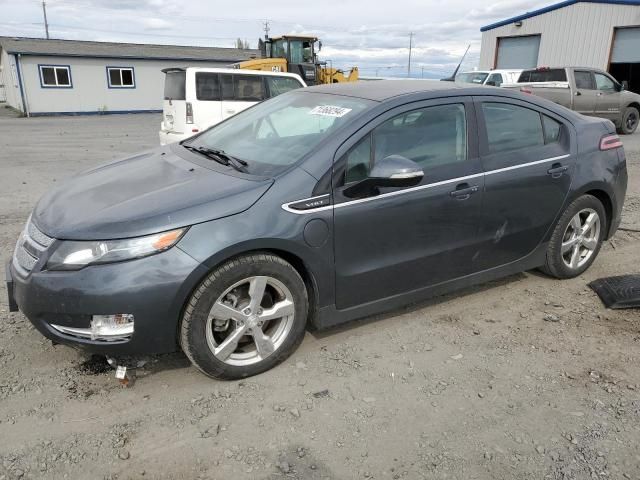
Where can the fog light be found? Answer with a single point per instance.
(105, 327)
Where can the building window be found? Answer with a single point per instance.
(55, 76)
(121, 77)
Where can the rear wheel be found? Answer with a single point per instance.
(246, 317)
(577, 238)
(630, 120)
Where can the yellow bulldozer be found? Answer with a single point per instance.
(297, 54)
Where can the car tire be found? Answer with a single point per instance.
(229, 331)
(630, 120)
(577, 238)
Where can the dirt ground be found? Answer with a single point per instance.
(523, 378)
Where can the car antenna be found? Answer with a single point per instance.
(455, 72)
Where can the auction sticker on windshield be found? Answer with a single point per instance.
(330, 111)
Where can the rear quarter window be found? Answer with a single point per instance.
(207, 86)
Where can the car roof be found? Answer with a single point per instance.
(385, 89)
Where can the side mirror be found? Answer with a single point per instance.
(491, 83)
(624, 85)
(396, 171)
(392, 171)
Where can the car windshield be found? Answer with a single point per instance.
(279, 132)
(472, 77)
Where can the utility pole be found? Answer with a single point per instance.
(266, 29)
(422, 76)
(46, 23)
(410, 47)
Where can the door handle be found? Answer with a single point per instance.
(464, 191)
(557, 170)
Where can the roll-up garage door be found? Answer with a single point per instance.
(518, 52)
(626, 46)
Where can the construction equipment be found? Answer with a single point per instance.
(297, 54)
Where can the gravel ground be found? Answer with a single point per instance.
(525, 378)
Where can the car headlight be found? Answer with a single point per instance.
(74, 255)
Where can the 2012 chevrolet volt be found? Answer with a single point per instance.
(313, 208)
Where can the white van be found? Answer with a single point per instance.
(197, 98)
(493, 78)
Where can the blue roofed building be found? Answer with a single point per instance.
(601, 34)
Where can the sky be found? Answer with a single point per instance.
(371, 35)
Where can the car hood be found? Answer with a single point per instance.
(148, 193)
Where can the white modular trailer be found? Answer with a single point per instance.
(56, 77)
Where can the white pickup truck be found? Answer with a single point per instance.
(586, 90)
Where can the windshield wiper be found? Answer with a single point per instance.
(220, 157)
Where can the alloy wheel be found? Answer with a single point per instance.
(250, 320)
(632, 120)
(580, 239)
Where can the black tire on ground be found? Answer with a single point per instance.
(630, 120)
(193, 326)
(555, 265)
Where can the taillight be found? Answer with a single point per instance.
(526, 90)
(189, 113)
(609, 142)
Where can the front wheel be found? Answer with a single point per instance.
(630, 120)
(245, 317)
(577, 238)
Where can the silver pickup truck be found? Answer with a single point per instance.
(586, 90)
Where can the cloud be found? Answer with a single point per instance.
(353, 33)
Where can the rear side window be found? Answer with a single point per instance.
(279, 85)
(584, 80)
(552, 130)
(174, 85)
(547, 75)
(511, 127)
(207, 86)
(248, 88)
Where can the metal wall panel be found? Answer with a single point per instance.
(626, 46)
(579, 34)
(518, 52)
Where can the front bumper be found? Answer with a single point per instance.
(153, 289)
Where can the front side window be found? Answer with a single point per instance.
(297, 52)
(280, 131)
(511, 127)
(431, 137)
(55, 76)
(120, 77)
(495, 80)
(604, 83)
(279, 49)
(472, 77)
(358, 161)
(279, 85)
(584, 80)
(248, 88)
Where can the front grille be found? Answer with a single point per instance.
(30, 247)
